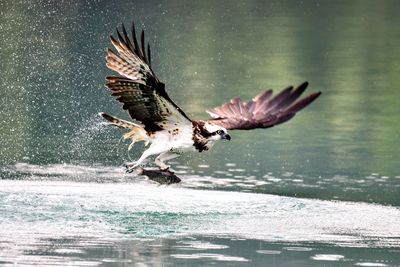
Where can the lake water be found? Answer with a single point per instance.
(320, 190)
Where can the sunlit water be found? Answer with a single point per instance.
(321, 190)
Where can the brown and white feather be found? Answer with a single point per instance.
(263, 111)
(139, 90)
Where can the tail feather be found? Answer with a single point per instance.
(118, 122)
(136, 133)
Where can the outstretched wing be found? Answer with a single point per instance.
(140, 91)
(263, 111)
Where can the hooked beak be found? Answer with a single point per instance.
(226, 136)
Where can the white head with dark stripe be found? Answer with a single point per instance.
(208, 131)
(216, 132)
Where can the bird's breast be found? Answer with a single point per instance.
(177, 139)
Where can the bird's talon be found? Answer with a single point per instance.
(167, 169)
(129, 164)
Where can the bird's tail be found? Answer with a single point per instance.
(137, 132)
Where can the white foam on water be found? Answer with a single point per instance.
(69, 251)
(49, 205)
(299, 249)
(199, 245)
(210, 256)
(371, 264)
(269, 252)
(327, 257)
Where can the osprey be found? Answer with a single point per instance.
(160, 123)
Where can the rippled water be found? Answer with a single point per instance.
(59, 214)
(320, 190)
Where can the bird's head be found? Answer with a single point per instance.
(215, 132)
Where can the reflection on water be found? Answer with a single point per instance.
(171, 252)
(66, 200)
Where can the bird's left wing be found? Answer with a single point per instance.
(263, 111)
(140, 91)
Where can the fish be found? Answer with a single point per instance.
(160, 176)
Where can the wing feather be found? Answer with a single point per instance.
(138, 88)
(274, 103)
(261, 101)
(263, 111)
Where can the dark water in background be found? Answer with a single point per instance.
(343, 147)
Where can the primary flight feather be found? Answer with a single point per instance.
(160, 123)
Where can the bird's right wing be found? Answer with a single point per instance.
(263, 111)
(140, 91)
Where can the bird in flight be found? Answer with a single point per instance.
(164, 126)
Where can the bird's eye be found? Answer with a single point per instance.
(219, 132)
